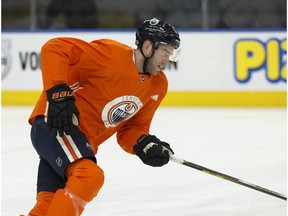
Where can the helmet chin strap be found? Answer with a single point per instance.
(146, 60)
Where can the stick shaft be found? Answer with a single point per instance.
(227, 177)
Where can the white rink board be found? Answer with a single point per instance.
(208, 59)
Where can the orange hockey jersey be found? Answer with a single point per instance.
(111, 95)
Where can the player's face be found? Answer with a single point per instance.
(160, 59)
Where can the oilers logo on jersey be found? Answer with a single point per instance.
(120, 109)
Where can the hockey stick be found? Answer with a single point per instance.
(227, 177)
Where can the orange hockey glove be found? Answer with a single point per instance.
(152, 151)
(62, 112)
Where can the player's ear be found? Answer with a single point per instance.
(147, 48)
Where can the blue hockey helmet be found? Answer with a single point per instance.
(157, 31)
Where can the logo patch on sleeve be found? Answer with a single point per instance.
(120, 109)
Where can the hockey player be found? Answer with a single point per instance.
(91, 91)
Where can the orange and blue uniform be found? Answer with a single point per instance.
(111, 96)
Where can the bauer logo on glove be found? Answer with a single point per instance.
(58, 96)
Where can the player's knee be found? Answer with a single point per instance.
(85, 178)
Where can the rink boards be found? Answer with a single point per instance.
(216, 68)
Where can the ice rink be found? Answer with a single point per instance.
(247, 143)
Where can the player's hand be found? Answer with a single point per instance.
(62, 112)
(152, 151)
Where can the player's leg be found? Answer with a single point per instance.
(84, 177)
(42, 205)
(48, 183)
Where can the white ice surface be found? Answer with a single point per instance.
(249, 144)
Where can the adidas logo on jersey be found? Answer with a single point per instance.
(155, 97)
